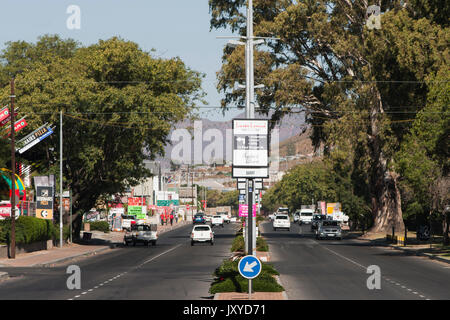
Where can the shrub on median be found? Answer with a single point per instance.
(228, 279)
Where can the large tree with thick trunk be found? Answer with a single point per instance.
(359, 87)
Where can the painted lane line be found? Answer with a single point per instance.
(356, 263)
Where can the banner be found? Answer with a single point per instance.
(243, 210)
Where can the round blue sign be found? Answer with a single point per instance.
(249, 267)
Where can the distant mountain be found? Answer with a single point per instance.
(290, 126)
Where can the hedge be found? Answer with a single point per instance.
(100, 226)
(228, 279)
(28, 230)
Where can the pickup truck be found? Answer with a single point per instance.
(141, 233)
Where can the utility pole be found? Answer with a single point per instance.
(61, 179)
(13, 175)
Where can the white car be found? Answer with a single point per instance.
(202, 233)
(217, 221)
(281, 221)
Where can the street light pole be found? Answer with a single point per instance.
(61, 207)
(13, 175)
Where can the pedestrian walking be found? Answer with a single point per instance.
(176, 218)
(171, 218)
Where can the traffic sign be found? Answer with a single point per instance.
(249, 267)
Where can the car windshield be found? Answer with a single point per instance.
(282, 217)
(306, 214)
(319, 217)
(198, 216)
(217, 217)
(201, 228)
(330, 223)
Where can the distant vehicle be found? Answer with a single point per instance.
(306, 216)
(284, 210)
(233, 219)
(328, 229)
(297, 216)
(202, 233)
(316, 219)
(226, 216)
(128, 221)
(282, 221)
(208, 218)
(141, 233)
(217, 220)
(199, 219)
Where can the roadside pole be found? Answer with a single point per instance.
(61, 207)
(13, 175)
(70, 195)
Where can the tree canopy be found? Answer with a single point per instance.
(118, 103)
(359, 88)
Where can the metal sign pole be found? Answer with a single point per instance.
(61, 207)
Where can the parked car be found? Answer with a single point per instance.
(128, 221)
(306, 216)
(199, 219)
(202, 233)
(141, 233)
(217, 220)
(282, 221)
(316, 219)
(329, 229)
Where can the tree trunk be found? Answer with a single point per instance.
(445, 228)
(386, 201)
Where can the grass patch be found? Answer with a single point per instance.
(238, 244)
(228, 279)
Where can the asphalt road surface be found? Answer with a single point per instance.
(337, 269)
(171, 270)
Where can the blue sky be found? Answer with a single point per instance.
(172, 27)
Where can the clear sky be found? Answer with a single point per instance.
(172, 27)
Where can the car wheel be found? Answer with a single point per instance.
(222, 225)
(192, 243)
(212, 242)
(134, 243)
(153, 243)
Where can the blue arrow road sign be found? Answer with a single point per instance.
(249, 267)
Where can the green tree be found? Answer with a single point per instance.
(119, 104)
(358, 87)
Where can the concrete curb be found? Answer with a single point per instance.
(285, 296)
(66, 259)
(216, 296)
(3, 275)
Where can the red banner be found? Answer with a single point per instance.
(4, 113)
(136, 201)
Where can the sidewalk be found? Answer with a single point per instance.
(100, 242)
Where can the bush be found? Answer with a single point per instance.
(28, 230)
(228, 279)
(238, 244)
(261, 244)
(100, 226)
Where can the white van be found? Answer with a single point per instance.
(306, 216)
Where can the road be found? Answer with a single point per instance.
(172, 270)
(333, 269)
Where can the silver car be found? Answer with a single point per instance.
(141, 233)
(328, 229)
